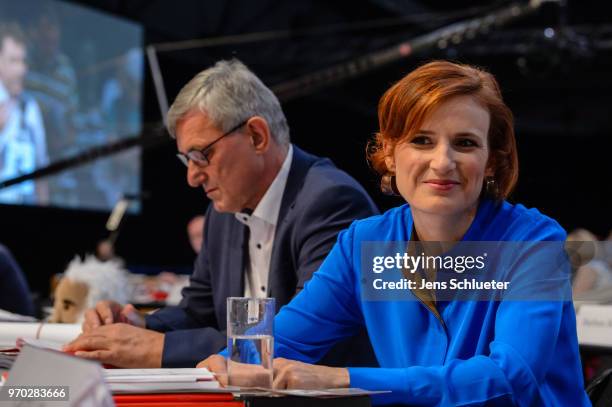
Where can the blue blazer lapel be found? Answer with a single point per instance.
(300, 166)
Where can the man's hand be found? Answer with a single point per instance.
(291, 374)
(120, 345)
(217, 365)
(110, 312)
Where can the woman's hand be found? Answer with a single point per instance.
(291, 374)
(288, 374)
(239, 374)
(217, 365)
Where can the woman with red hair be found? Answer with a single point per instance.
(446, 144)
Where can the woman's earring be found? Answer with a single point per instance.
(388, 186)
(491, 189)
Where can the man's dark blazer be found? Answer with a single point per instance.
(318, 202)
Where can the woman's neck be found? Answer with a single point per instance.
(442, 228)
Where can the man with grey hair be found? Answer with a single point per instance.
(275, 214)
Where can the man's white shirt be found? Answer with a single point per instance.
(262, 226)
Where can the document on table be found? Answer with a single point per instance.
(125, 381)
(325, 393)
(10, 350)
(11, 331)
(158, 375)
(159, 380)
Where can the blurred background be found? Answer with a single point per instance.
(553, 64)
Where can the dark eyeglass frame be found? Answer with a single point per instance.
(200, 157)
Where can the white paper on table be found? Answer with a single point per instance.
(40, 343)
(208, 385)
(152, 379)
(11, 331)
(157, 375)
(160, 380)
(340, 392)
(594, 325)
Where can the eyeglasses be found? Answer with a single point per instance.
(200, 157)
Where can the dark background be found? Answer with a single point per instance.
(558, 88)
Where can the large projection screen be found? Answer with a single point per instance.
(71, 78)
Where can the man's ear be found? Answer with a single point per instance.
(388, 148)
(259, 132)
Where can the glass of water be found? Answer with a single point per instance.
(250, 341)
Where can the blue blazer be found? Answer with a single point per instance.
(319, 201)
(476, 353)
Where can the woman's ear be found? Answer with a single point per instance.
(490, 169)
(388, 149)
(259, 132)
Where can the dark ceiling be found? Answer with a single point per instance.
(563, 73)
(557, 83)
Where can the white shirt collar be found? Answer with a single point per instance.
(269, 207)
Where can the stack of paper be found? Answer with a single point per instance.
(7, 357)
(9, 352)
(330, 393)
(159, 380)
(40, 343)
(11, 331)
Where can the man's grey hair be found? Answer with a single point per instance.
(229, 93)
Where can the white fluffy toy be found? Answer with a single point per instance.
(84, 284)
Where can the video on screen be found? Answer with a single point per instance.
(70, 79)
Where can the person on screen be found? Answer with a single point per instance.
(275, 213)
(121, 95)
(446, 145)
(23, 145)
(52, 80)
(120, 108)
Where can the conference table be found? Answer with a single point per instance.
(230, 400)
